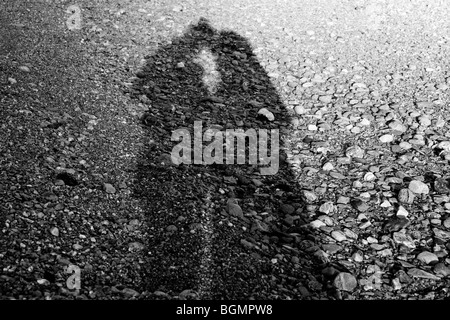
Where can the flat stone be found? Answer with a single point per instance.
(345, 281)
(338, 236)
(427, 257)
(234, 209)
(418, 187)
(418, 273)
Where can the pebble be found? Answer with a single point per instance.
(418, 187)
(287, 209)
(406, 196)
(338, 236)
(427, 257)
(325, 99)
(354, 152)
(12, 80)
(300, 109)
(55, 231)
(128, 292)
(345, 281)
(386, 138)
(403, 239)
(397, 126)
(327, 166)
(109, 188)
(442, 269)
(331, 248)
(24, 68)
(402, 212)
(266, 113)
(247, 244)
(309, 196)
(447, 223)
(316, 224)
(234, 209)
(441, 186)
(327, 207)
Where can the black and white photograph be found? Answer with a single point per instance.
(220, 158)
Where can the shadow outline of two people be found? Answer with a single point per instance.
(177, 97)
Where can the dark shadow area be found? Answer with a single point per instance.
(196, 241)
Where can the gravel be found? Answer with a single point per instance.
(358, 209)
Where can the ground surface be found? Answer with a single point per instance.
(359, 208)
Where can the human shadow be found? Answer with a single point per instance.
(199, 242)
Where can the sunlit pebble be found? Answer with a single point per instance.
(328, 166)
(402, 212)
(369, 176)
(386, 138)
(24, 68)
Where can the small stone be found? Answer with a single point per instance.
(343, 200)
(24, 68)
(180, 65)
(325, 99)
(418, 187)
(135, 246)
(357, 257)
(427, 257)
(54, 231)
(327, 207)
(397, 126)
(171, 228)
(403, 239)
(300, 109)
(287, 209)
(441, 234)
(444, 145)
(417, 273)
(316, 224)
(338, 236)
(359, 205)
(331, 248)
(441, 186)
(369, 176)
(396, 285)
(247, 244)
(128, 292)
(327, 166)
(259, 226)
(309, 196)
(266, 113)
(406, 196)
(345, 281)
(354, 152)
(424, 121)
(441, 269)
(386, 138)
(109, 188)
(12, 81)
(402, 213)
(234, 209)
(447, 223)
